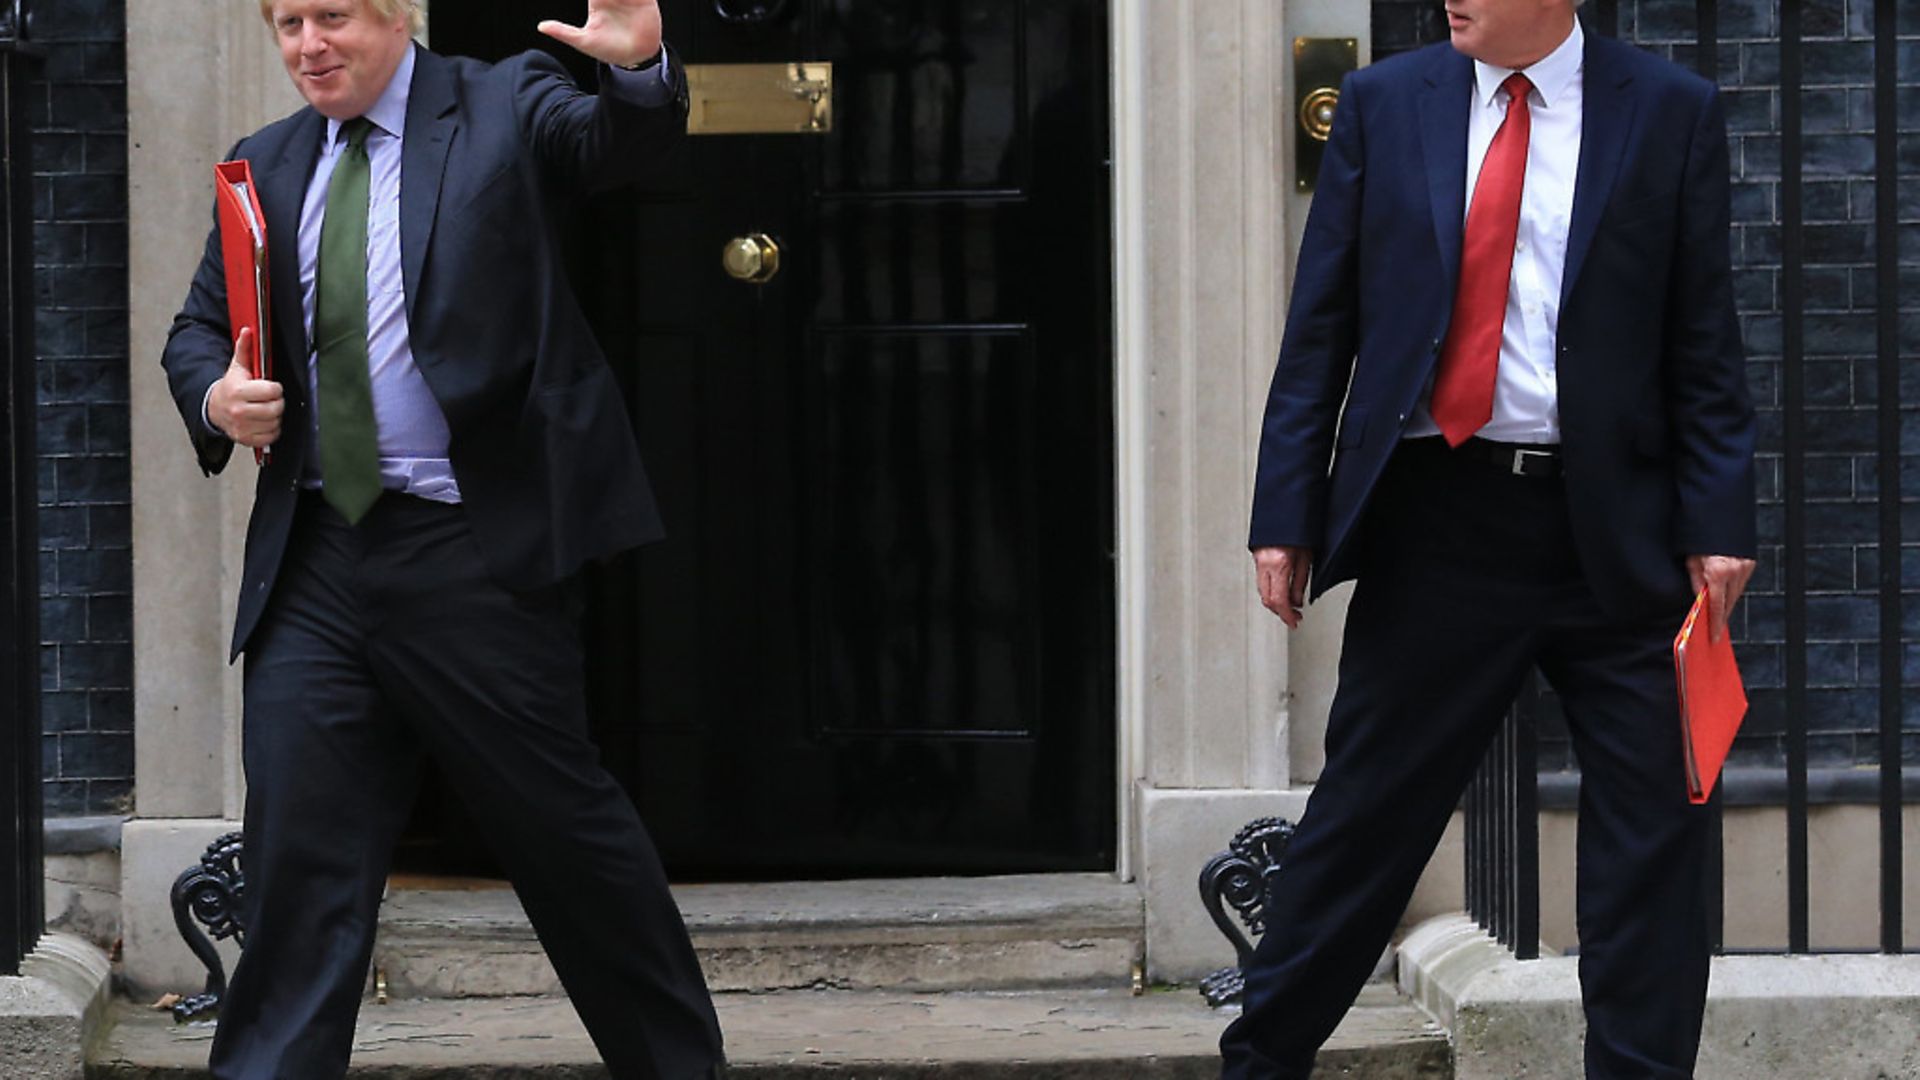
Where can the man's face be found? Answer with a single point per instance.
(341, 53)
(1509, 33)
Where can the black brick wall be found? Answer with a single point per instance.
(1839, 345)
(79, 119)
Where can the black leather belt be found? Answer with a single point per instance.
(1533, 460)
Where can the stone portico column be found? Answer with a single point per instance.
(200, 74)
(1223, 710)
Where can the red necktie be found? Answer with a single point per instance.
(1463, 388)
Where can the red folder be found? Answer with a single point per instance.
(1712, 699)
(243, 250)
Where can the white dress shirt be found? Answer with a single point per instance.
(1526, 404)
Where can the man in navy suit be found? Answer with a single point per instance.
(448, 447)
(1510, 402)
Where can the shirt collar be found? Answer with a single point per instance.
(1550, 76)
(389, 113)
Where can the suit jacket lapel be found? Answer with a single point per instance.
(1443, 142)
(1607, 118)
(283, 191)
(431, 124)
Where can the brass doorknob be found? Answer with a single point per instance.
(753, 258)
(1316, 112)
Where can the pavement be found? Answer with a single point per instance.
(815, 1034)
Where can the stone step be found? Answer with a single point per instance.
(925, 934)
(819, 1034)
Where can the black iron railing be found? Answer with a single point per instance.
(1502, 834)
(22, 895)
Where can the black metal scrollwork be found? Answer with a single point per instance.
(210, 894)
(750, 12)
(1237, 878)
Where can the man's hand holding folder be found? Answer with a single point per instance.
(246, 403)
(1712, 699)
(246, 408)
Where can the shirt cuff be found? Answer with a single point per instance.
(205, 418)
(650, 88)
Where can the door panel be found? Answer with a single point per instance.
(879, 636)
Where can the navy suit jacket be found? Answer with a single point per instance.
(542, 447)
(1657, 428)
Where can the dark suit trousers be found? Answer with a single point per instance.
(1469, 579)
(384, 641)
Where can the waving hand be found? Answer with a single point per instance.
(617, 32)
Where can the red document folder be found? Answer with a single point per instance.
(1712, 699)
(243, 250)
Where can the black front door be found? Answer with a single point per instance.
(879, 638)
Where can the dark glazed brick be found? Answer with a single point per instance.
(81, 287)
(62, 527)
(64, 798)
(1759, 64)
(1748, 19)
(1749, 111)
(1838, 243)
(1759, 245)
(78, 20)
(85, 573)
(1840, 335)
(90, 381)
(1752, 203)
(64, 63)
(96, 667)
(1842, 155)
(1833, 665)
(88, 107)
(111, 797)
(1761, 334)
(1830, 568)
(107, 154)
(94, 480)
(1822, 18)
(107, 246)
(1648, 22)
(110, 619)
(111, 710)
(107, 62)
(1823, 110)
(108, 429)
(1827, 384)
(55, 153)
(64, 710)
(58, 334)
(107, 334)
(1836, 63)
(56, 244)
(1759, 156)
(1823, 202)
(62, 619)
(1827, 478)
(1827, 288)
(1753, 289)
(62, 429)
(96, 755)
(111, 526)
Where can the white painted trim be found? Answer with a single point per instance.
(1127, 27)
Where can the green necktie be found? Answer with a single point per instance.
(349, 446)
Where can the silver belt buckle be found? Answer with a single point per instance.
(1520, 459)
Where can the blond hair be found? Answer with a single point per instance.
(386, 9)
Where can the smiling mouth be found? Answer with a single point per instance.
(323, 73)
